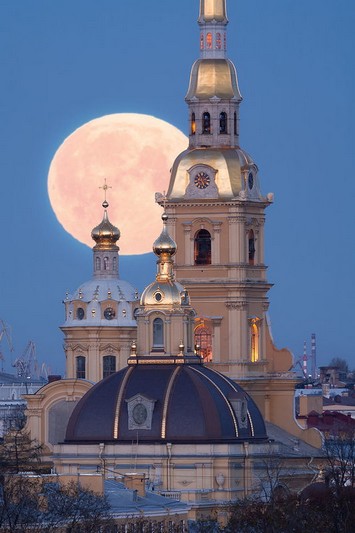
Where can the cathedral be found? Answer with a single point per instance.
(182, 384)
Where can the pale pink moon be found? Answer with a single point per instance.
(135, 154)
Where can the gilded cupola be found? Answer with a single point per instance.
(105, 234)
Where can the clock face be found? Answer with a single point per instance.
(139, 413)
(202, 180)
(80, 313)
(109, 313)
(250, 180)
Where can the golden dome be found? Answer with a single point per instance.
(163, 293)
(105, 234)
(211, 10)
(230, 164)
(213, 78)
(164, 243)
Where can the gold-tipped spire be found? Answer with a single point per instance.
(213, 10)
(105, 234)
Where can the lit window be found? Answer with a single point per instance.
(223, 122)
(158, 333)
(218, 41)
(109, 365)
(209, 40)
(254, 337)
(203, 247)
(251, 244)
(203, 338)
(193, 124)
(206, 123)
(80, 367)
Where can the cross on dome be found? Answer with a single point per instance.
(105, 187)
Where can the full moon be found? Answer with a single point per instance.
(134, 154)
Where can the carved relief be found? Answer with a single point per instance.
(236, 304)
(140, 412)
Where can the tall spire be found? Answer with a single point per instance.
(213, 25)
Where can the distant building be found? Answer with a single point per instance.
(12, 404)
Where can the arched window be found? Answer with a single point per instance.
(114, 264)
(193, 124)
(218, 41)
(251, 245)
(225, 41)
(106, 260)
(209, 41)
(223, 122)
(98, 263)
(109, 365)
(202, 42)
(235, 124)
(203, 247)
(203, 338)
(206, 123)
(158, 333)
(254, 337)
(80, 367)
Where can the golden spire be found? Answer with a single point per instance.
(165, 248)
(213, 10)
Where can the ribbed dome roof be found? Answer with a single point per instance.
(186, 403)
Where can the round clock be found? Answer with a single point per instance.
(139, 413)
(109, 313)
(80, 313)
(250, 180)
(202, 180)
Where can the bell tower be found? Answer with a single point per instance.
(216, 214)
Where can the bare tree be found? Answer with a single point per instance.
(339, 450)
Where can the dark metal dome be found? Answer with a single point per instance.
(178, 403)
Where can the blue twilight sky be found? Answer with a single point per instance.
(65, 62)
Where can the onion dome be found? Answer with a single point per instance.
(164, 243)
(186, 403)
(164, 290)
(105, 234)
(105, 300)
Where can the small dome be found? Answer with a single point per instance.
(162, 293)
(105, 234)
(164, 243)
(185, 403)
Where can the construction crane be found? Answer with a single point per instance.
(5, 332)
(26, 365)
